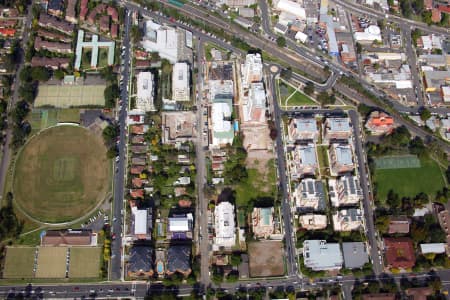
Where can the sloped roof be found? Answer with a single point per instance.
(178, 258)
(140, 259)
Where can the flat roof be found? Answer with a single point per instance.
(320, 255)
(140, 221)
(94, 44)
(355, 255)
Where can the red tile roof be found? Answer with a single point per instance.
(114, 30)
(137, 193)
(400, 252)
(136, 170)
(137, 182)
(5, 23)
(435, 15)
(7, 31)
(444, 9)
(111, 11)
(428, 4)
(83, 9)
(137, 129)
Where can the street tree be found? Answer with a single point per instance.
(309, 88)
(281, 41)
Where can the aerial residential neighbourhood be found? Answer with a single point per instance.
(232, 149)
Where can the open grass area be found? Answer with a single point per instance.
(409, 182)
(69, 115)
(257, 185)
(322, 156)
(86, 59)
(84, 262)
(102, 57)
(19, 262)
(51, 262)
(294, 97)
(61, 174)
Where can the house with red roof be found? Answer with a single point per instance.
(137, 193)
(83, 9)
(380, 123)
(400, 253)
(136, 170)
(112, 12)
(7, 31)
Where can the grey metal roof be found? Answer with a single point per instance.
(140, 259)
(314, 187)
(355, 255)
(308, 155)
(178, 258)
(306, 125)
(339, 124)
(344, 155)
(351, 185)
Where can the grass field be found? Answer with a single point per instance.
(84, 262)
(51, 262)
(293, 97)
(409, 182)
(44, 118)
(256, 185)
(67, 96)
(61, 174)
(19, 262)
(266, 258)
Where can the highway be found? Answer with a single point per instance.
(116, 272)
(6, 156)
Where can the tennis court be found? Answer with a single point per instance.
(66, 96)
(397, 162)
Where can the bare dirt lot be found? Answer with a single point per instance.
(266, 258)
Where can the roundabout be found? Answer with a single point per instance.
(61, 174)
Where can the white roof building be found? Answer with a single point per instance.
(370, 34)
(348, 219)
(254, 110)
(437, 248)
(320, 255)
(304, 161)
(303, 129)
(161, 39)
(313, 221)
(140, 219)
(180, 82)
(344, 191)
(292, 7)
(224, 225)
(252, 69)
(341, 158)
(144, 99)
(431, 41)
(222, 128)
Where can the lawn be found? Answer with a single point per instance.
(322, 156)
(61, 174)
(295, 97)
(86, 59)
(409, 182)
(19, 262)
(51, 262)
(84, 262)
(257, 185)
(69, 115)
(102, 57)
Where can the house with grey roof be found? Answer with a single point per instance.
(303, 161)
(355, 255)
(336, 129)
(320, 255)
(140, 261)
(341, 159)
(303, 129)
(309, 195)
(179, 259)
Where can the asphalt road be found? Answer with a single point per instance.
(365, 186)
(291, 261)
(202, 206)
(6, 156)
(116, 272)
